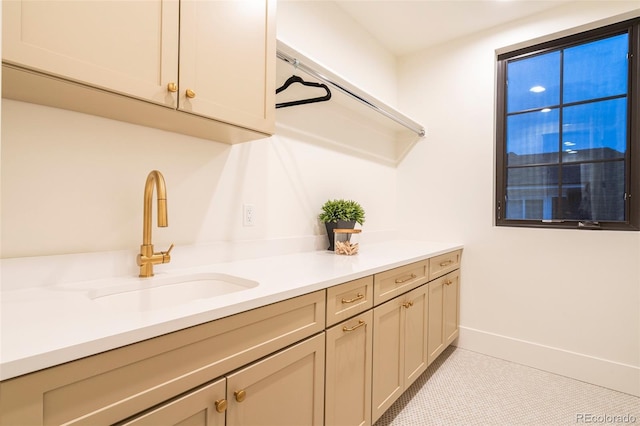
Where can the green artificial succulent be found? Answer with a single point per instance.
(335, 210)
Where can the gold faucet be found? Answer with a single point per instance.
(147, 258)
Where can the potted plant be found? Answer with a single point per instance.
(340, 214)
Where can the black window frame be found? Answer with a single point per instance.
(632, 155)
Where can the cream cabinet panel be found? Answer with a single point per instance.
(443, 313)
(128, 47)
(399, 346)
(201, 407)
(121, 60)
(416, 311)
(283, 389)
(444, 264)
(391, 283)
(163, 367)
(388, 356)
(436, 309)
(227, 66)
(349, 299)
(451, 302)
(348, 372)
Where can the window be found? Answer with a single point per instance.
(568, 132)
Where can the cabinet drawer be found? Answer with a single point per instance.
(443, 264)
(128, 380)
(349, 299)
(389, 284)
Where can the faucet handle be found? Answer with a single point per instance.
(166, 255)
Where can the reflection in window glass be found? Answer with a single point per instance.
(596, 70)
(533, 137)
(534, 82)
(593, 191)
(595, 131)
(529, 187)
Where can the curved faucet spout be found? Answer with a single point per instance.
(155, 177)
(147, 257)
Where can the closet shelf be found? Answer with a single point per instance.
(352, 119)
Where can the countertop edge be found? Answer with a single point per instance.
(35, 361)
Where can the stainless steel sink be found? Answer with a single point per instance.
(148, 294)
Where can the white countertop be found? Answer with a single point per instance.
(49, 325)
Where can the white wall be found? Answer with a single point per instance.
(73, 183)
(562, 300)
(322, 31)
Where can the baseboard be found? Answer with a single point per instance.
(613, 375)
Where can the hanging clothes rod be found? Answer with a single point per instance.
(416, 128)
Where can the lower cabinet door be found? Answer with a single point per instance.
(444, 313)
(204, 406)
(436, 312)
(286, 388)
(451, 306)
(416, 354)
(400, 346)
(388, 356)
(348, 372)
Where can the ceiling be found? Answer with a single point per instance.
(404, 27)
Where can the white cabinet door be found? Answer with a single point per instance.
(127, 47)
(227, 61)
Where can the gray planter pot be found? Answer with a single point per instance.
(341, 224)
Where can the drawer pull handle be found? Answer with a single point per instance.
(360, 324)
(446, 262)
(358, 297)
(172, 87)
(190, 94)
(405, 279)
(407, 304)
(448, 282)
(221, 405)
(240, 395)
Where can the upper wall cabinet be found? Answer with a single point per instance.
(223, 59)
(204, 68)
(129, 48)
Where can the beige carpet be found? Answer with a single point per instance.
(466, 388)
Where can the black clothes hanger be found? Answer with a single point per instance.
(296, 79)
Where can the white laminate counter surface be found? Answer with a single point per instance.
(46, 326)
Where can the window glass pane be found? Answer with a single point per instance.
(595, 131)
(566, 130)
(533, 138)
(596, 70)
(593, 191)
(533, 82)
(532, 192)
